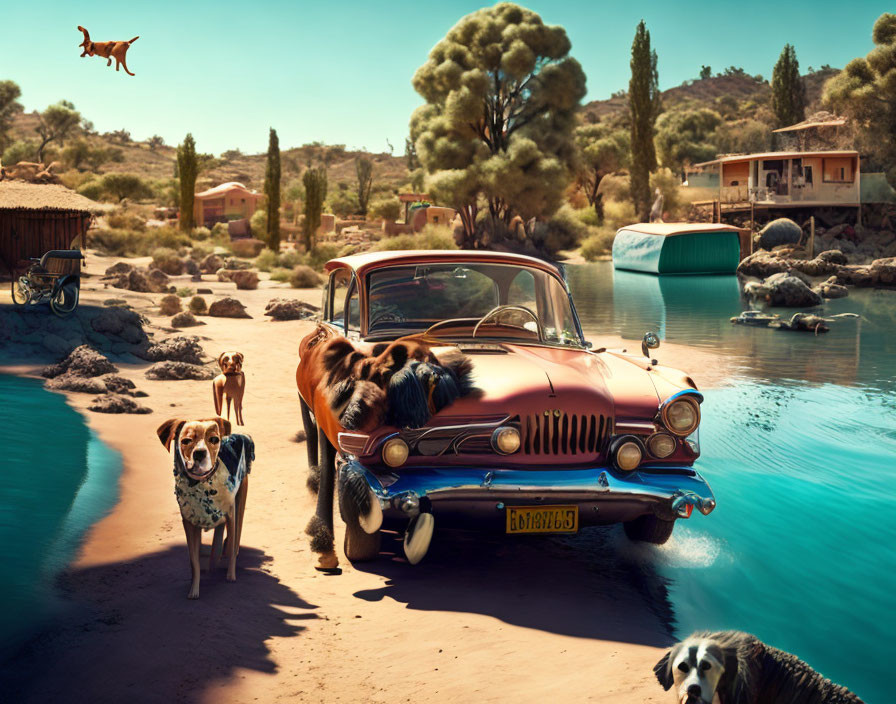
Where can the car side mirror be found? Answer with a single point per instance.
(588, 345)
(650, 341)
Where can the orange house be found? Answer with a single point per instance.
(229, 201)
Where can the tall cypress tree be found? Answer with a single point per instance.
(272, 191)
(315, 182)
(788, 91)
(187, 171)
(644, 104)
(364, 170)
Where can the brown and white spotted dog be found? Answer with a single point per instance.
(230, 385)
(211, 481)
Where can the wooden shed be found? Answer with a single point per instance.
(35, 218)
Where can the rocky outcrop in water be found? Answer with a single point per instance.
(881, 272)
(783, 289)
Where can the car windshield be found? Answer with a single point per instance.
(412, 298)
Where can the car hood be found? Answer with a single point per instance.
(525, 379)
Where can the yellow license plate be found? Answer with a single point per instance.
(542, 519)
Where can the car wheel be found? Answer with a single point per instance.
(360, 546)
(649, 529)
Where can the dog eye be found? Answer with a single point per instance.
(683, 666)
(186, 441)
(705, 665)
(214, 440)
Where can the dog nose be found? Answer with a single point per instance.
(199, 455)
(694, 690)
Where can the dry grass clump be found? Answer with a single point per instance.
(430, 237)
(133, 243)
(246, 248)
(170, 304)
(304, 277)
(198, 305)
(599, 244)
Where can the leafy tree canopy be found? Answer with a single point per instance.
(686, 137)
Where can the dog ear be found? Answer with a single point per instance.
(663, 670)
(223, 425)
(168, 430)
(220, 358)
(240, 357)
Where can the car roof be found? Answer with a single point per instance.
(362, 263)
(668, 229)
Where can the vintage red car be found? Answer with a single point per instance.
(558, 435)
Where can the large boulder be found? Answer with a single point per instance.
(228, 308)
(83, 361)
(885, 270)
(778, 232)
(289, 309)
(790, 292)
(119, 268)
(761, 264)
(211, 264)
(121, 323)
(244, 279)
(178, 348)
(115, 403)
(178, 371)
(141, 280)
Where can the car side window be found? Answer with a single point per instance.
(338, 289)
(522, 291)
(354, 308)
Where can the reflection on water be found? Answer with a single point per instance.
(800, 449)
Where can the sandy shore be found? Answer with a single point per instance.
(481, 619)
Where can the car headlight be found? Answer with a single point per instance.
(628, 454)
(682, 416)
(661, 445)
(506, 440)
(395, 452)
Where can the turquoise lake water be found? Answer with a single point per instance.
(58, 478)
(800, 450)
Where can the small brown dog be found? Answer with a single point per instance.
(230, 383)
(108, 50)
(211, 481)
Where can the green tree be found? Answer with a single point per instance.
(502, 95)
(364, 170)
(272, 191)
(603, 150)
(187, 171)
(705, 72)
(410, 154)
(55, 124)
(155, 142)
(123, 186)
(644, 105)
(315, 182)
(865, 91)
(20, 150)
(788, 91)
(685, 137)
(9, 106)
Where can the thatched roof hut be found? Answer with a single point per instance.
(35, 218)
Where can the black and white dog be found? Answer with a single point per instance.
(731, 667)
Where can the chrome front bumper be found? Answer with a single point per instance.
(603, 495)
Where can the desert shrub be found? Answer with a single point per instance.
(120, 186)
(320, 255)
(564, 230)
(348, 250)
(123, 220)
(169, 305)
(290, 259)
(619, 213)
(304, 277)
(669, 185)
(258, 223)
(430, 237)
(200, 251)
(184, 291)
(342, 203)
(167, 260)
(385, 208)
(615, 187)
(19, 151)
(170, 237)
(119, 243)
(587, 216)
(75, 179)
(267, 260)
(201, 233)
(281, 275)
(598, 244)
(198, 306)
(220, 229)
(92, 189)
(246, 248)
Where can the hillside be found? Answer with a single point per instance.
(735, 96)
(158, 163)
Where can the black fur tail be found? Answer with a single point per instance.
(321, 536)
(354, 496)
(407, 402)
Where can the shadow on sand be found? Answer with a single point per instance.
(134, 636)
(585, 586)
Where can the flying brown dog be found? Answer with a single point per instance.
(230, 384)
(108, 50)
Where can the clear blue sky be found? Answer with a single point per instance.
(339, 71)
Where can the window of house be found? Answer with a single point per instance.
(838, 170)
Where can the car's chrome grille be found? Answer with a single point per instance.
(558, 433)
